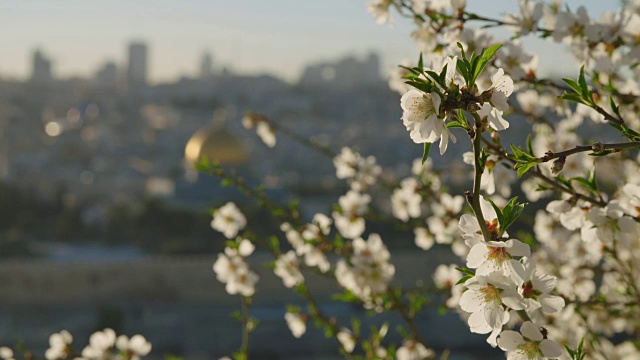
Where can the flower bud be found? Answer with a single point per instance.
(558, 165)
(473, 107)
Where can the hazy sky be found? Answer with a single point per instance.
(277, 36)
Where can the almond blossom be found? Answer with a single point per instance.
(234, 272)
(133, 347)
(228, 220)
(368, 271)
(59, 345)
(405, 201)
(413, 350)
(296, 323)
(420, 116)
(6, 353)
(349, 222)
(489, 256)
(100, 343)
(484, 299)
(287, 269)
(536, 288)
(528, 344)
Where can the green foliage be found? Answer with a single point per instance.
(524, 160)
(578, 353)
(468, 274)
(172, 357)
(425, 153)
(581, 93)
(509, 214)
(471, 68)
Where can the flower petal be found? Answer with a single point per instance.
(531, 331)
(509, 340)
(550, 348)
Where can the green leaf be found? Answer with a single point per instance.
(464, 279)
(425, 153)
(522, 168)
(443, 76)
(614, 107)
(583, 85)
(484, 59)
(434, 77)
(420, 85)
(573, 97)
(463, 69)
(512, 212)
(456, 124)
(413, 71)
(420, 64)
(529, 146)
(572, 84)
(522, 156)
(461, 50)
(274, 243)
(466, 271)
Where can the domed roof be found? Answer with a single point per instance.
(216, 144)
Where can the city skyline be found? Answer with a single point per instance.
(279, 38)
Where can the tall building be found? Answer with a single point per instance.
(206, 66)
(41, 71)
(137, 67)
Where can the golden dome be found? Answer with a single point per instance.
(216, 144)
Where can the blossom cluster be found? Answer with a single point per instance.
(103, 345)
(566, 275)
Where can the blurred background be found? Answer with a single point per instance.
(105, 107)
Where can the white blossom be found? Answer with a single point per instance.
(347, 340)
(296, 323)
(288, 270)
(135, 347)
(528, 344)
(413, 350)
(59, 345)
(228, 220)
(100, 343)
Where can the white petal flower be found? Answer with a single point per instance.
(99, 343)
(59, 345)
(266, 133)
(135, 347)
(535, 290)
(413, 350)
(420, 117)
(484, 299)
(423, 238)
(296, 323)
(494, 116)
(287, 269)
(347, 339)
(405, 201)
(228, 220)
(6, 353)
(529, 344)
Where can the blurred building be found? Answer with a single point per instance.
(206, 66)
(346, 73)
(137, 66)
(41, 71)
(107, 76)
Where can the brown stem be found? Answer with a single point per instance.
(538, 174)
(596, 148)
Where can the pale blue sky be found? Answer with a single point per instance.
(277, 36)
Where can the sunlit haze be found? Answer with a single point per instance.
(248, 36)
